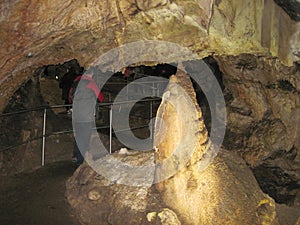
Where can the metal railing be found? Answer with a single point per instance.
(110, 127)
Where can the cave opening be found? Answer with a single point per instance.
(44, 90)
(22, 122)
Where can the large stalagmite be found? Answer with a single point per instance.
(219, 194)
(224, 192)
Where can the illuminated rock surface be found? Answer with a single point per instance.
(200, 195)
(225, 192)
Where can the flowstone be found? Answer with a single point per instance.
(225, 192)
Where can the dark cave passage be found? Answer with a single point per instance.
(277, 181)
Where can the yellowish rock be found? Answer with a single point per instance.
(168, 217)
(151, 216)
(226, 192)
(94, 195)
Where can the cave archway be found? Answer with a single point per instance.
(43, 89)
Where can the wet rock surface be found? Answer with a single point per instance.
(263, 118)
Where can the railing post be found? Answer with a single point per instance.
(127, 89)
(110, 129)
(44, 136)
(97, 111)
(153, 89)
(151, 121)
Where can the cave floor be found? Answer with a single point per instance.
(37, 197)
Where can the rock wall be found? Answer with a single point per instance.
(21, 128)
(35, 33)
(263, 117)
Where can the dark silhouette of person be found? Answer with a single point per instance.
(65, 84)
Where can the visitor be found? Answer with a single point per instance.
(84, 100)
(65, 84)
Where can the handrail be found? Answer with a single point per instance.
(65, 105)
(110, 104)
(137, 82)
(59, 133)
(34, 109)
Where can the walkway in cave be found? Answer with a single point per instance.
(37, 198)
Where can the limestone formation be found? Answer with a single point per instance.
(198, 195)
(223, 192)
(180, 139)
(35, 33)
(262, 122)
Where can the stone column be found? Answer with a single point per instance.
(199, 192)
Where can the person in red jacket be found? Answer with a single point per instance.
(91, 84)
(84, 94)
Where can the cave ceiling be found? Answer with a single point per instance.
(36, 33)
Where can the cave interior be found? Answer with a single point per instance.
(260, 84)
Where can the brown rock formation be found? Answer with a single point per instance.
(225, 192)
(35, 33)
(215, 195)
(263, 117)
